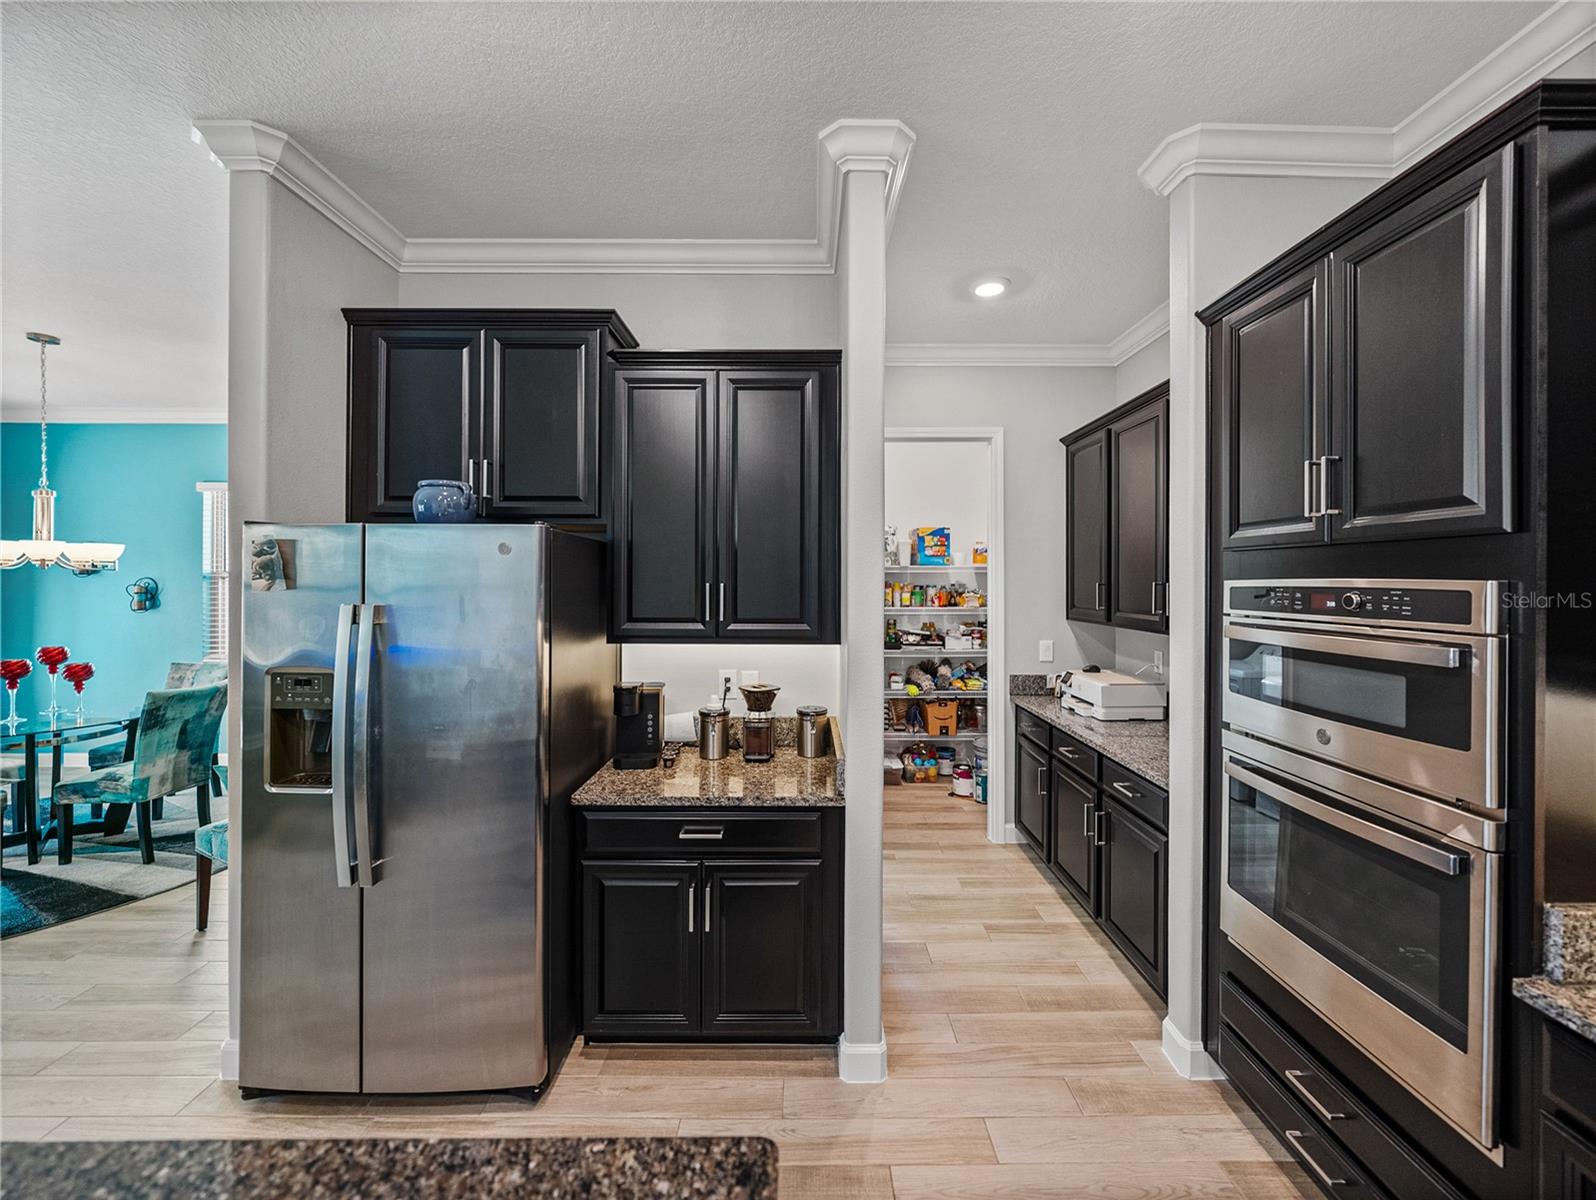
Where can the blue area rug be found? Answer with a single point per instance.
(104, 872)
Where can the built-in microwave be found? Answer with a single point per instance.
(1398, 679)
(1379, 909)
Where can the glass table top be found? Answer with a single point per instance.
(64, 727)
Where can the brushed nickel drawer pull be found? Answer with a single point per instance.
(1295, 1078)
(692, 902)
(1295, 1136)
(689, 833)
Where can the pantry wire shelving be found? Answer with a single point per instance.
(944, 618)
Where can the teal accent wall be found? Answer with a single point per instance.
(114, 483)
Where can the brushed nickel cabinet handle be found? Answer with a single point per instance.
(1295, 1136)
(1295, 1078)
(692, 903)
(1324, 484)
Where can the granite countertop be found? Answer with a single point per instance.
(1140, 746)
(786, 781)
(1567, 991)
(597, 1168)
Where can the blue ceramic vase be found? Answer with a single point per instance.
(443, 502)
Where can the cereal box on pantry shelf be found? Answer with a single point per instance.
(932, 547)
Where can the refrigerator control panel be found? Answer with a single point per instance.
(302, 688)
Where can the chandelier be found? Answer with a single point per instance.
(42, 549)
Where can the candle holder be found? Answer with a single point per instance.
(78, 674)
(13, 671)
(51, 658)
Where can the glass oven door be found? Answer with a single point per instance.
(1384, 927)
(1419, 711)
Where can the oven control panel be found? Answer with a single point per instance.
(1376, 604)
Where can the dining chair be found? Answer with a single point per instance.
(210, 847)
(178, 675)
(176, 739)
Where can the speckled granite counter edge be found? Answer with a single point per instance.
(488, 1168)
(609, 788)
(1139, 746)
(1569, 943)
(1572, 1005)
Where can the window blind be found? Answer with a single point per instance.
(213, 566)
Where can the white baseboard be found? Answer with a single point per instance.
(1190, 1058)
(861, 1064)
(230, 1060)
(1012, 835)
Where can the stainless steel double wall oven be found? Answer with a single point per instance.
(1363, 819)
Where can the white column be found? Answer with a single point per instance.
(871, 156)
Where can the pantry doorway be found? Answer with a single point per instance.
(949, 481)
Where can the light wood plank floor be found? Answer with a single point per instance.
(1024, 1053)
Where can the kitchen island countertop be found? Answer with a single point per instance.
(1566, 993)
(786, 781)
(380, 1169)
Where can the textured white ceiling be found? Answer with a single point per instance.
(666, 120)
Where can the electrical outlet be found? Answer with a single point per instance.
(1044, 650)
(1158, 661)
(750, 676)
(725, 677)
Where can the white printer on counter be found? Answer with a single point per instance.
(1111, 696)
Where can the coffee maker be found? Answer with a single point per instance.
(639, 725)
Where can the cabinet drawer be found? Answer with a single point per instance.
(1301, 1132)
(1130, 789)
(1570, 1073)
(1032, 726)
(703, 832)
(1293, 1070)
(1074, 753)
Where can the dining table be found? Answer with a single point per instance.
(52, 734)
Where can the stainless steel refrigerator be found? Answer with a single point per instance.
(419, 703)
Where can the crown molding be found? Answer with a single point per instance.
(68, 414)
(842, 147)
(251, 146)
(1137, 337)
(1357, 152)
(1141, 334)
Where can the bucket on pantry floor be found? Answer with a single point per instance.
(963, 779)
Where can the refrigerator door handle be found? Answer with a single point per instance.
(371, 615)
(340, 748)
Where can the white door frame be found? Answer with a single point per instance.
(1000, 799)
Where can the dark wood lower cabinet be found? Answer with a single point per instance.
(1134, 867)
(1101, 830)
(1075, 818)
(740, 942)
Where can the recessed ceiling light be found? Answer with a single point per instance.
(988, 288)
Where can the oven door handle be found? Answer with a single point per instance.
(1437, 859)
(1425, 654)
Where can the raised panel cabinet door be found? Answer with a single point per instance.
(662, 548)
(1074, 858)
(1270, 368)
(777, 519)
(764, 962)
(1567, 1163)
(1134, 866)
(413, 411)
(1086, 552)
(1031, 793)
(1139, 545)
(1422, 399)
(640, 948)
(541, 423)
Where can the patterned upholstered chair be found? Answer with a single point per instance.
(210, 847)
(178, 675)
(176, 739)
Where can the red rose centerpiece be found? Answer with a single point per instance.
(77, 674)
(51, 658)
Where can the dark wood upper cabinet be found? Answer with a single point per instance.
(640, 947)
(1087, 555)
(1138, 452)
(509, 400)
(777, 452)
(662, 544)
(1420, 394)
(414, 399)
(1270, 368)
(763, 929)
(726, 496)
(1117, 516)
(541, 436)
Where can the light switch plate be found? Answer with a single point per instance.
(1044, 650)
